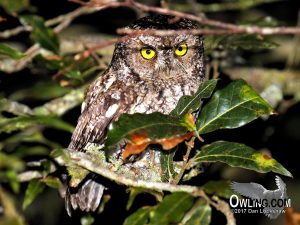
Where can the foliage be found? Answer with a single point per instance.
(34, 119)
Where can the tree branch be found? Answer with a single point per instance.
(83, 160)
(231, 28)
(63, 19)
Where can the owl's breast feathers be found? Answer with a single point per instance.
(107, 98)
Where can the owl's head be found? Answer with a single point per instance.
(161, 59)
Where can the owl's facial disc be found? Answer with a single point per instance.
(164, 59)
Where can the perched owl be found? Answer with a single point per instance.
(147, 74)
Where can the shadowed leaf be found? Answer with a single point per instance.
(200, 215)
(247, 42)
(136, 191)
(40, 33)
(8, 125)
(171, 209)
(14, 6)
(221, 188)
(239, 155)
(140, 217)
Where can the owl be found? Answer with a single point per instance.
(147, 74)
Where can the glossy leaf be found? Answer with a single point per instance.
(154, 126)
(140, 130)
(239, 155)
(232, 107)
(140, 217)
(40, 33)
(34, 188)
(171, 209)
(8, 125)
(192, 103)
(201, 215)
(10, 52)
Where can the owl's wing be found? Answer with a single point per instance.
(104, 102)
(251, 190)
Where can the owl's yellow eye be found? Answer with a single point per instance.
(181, 49)
(148, 53)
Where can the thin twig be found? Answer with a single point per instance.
(223, 207)
(63, 19)
(190, 146)
(34, 50)
(232, 28)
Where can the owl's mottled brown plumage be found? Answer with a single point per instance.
(133, 84)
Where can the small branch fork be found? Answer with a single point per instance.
(228, 28)
(81, 159)
(216, 27)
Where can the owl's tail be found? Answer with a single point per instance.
(87, 196)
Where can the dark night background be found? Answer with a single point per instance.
(279, 134)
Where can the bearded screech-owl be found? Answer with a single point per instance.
(147, 74)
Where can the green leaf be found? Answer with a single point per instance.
(34, 188)
(133, 193)
(239, 155)
(10, 52)
(140, 217)
(87, 220)
(152, 126)
(201, 215)
(41, 90)
(167, 165)
(11, 175)
(14, 6)
(220, 188)
(232, 107)
(171, 209)
(8, 125)
(11, 161)
(74, 74)
(52, 182)
(40, 33)
(246, 42)
(192, 103)
(136, 191)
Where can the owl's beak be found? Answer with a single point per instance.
(166, 71)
